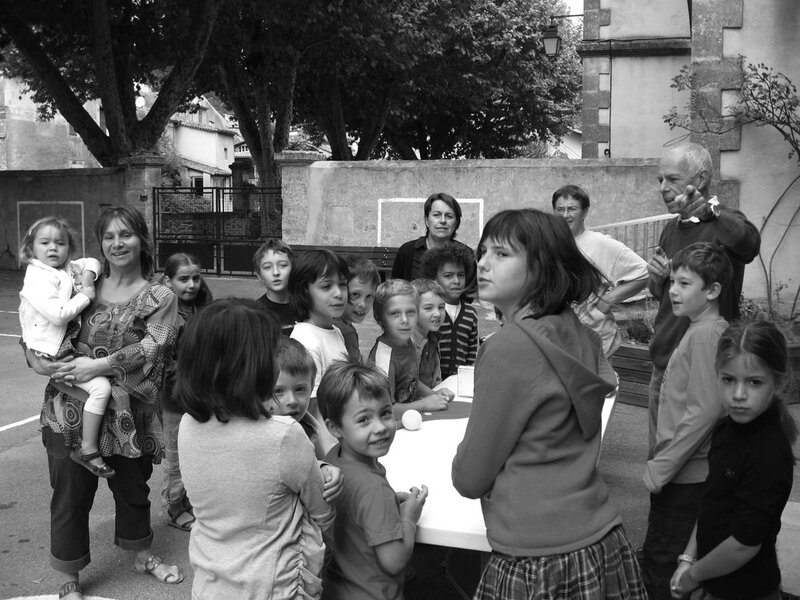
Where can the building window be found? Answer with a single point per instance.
(225, 152)
(197, 184)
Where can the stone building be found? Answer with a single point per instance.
(631, 50)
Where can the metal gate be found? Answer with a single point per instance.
(222, 227)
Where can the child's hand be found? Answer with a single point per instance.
(89, 292)
(332, 486)
(411, 503)
(447, 393)
(433, 403)
(682, 584)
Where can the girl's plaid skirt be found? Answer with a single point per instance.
(604, 570)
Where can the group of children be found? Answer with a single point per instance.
(346, 407)
(429, 330)
(281, 410)
(720, 471)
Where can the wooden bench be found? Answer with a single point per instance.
(382, 256)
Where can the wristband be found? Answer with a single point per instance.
(687, 558)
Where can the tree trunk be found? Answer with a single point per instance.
(371, 134)
(251, 125)
(114, 81)
(68, 104)
(400, 144)
(334, 124)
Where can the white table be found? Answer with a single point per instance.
(425, 456)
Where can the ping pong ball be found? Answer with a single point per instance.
(411, 419)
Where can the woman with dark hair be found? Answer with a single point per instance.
(125, 335)
(531, 445)
(442, 220)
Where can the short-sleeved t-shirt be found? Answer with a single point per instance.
(283, 312)
(367, 515)
(401, 365)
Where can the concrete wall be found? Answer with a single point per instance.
(761, 164)
(380, 202)
(665, 18)
(27, 143)
(78, 195)
(196, 144)
(637, 122)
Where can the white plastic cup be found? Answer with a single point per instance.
(465, 380)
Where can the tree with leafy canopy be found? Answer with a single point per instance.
(68, 53)
(253, 68)
(440, 79)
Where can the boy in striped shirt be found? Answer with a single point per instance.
(448, 265)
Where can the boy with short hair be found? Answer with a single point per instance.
(458, 345)
(688, 411)
(375, 527)
(272, 264)
(291, 397)
(426, 336)
(364, 280)
(395, 308)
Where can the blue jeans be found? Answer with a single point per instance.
(672, 516)
(73, 495)
(173, 493)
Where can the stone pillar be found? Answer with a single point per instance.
(241, 171)
(294, 193)
(142, 174)
(715, 72)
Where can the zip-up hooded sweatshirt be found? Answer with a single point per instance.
(531, 445)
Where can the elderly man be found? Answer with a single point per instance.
(625, 271)
(684, 175)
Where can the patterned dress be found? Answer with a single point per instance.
(136, 336)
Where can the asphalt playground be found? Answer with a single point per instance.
(25, 492)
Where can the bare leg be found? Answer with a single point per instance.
(71, 589)
(91, 433)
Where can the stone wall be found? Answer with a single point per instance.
(380, 202)
(78, 195)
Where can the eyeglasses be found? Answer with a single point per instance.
(569, 210)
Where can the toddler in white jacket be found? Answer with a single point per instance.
(54, 293)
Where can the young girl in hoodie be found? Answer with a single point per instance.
(533, 437)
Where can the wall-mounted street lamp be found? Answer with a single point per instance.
(550, 37)
(551, 40)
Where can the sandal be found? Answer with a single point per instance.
(71, 587)
(84, 460)
(169, 574)
(183, 526)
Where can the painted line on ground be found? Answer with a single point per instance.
(18, 423)
(10, 312)
(53, 597)
(16, 335)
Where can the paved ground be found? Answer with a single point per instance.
(24, 490)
